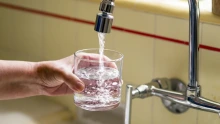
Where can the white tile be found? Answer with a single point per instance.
(210, 35)
(172, 27)
(136, 20)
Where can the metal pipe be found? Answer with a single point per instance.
(128, 104)
(193, 42)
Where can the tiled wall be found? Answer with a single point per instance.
(27, 36)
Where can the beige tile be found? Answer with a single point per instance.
(86, 37)
(138, 56)
(208, 118)
(5, 27)
(6, 54)
(172, 27)
(210, 35)
(142, 111)
(52, 6)
(209, 81)
(27, 33)
(65, 8)
(33, 4)
(171, 61)
(59, 38)
(209, 72)
(137, 69)
(86, 10)
(5, 0)
(131, 19)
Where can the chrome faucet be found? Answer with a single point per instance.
(104, 19)
(176, 96)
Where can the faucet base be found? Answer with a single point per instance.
(177, 86)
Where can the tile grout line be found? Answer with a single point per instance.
(153, 73)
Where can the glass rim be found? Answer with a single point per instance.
(121, 56)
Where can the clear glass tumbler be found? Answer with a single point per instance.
(103, 79)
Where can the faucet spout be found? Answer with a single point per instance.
(104, 19)
(204, 104)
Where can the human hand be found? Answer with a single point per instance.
(58, 78)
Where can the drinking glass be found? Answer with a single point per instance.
(102, 77)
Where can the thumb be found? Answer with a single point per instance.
(73, 82)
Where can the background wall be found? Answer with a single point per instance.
(39, 37)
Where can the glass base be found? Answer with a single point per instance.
(97, 108)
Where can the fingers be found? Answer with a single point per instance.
(73, 82)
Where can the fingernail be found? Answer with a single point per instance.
(80, 86)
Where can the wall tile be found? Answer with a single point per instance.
(86, 37)
(27, 33)
(138, 55)
(6, 28)
(86, 10)
(59, 38)
(171, 61)
(137, 69)
(7, 54)
(209, 81)
(66, 8)
(33, 4)
(210, 35)
(135, 20)
(172, 27)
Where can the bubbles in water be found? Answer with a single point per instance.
(96, 96)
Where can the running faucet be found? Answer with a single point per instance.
(176, 96)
